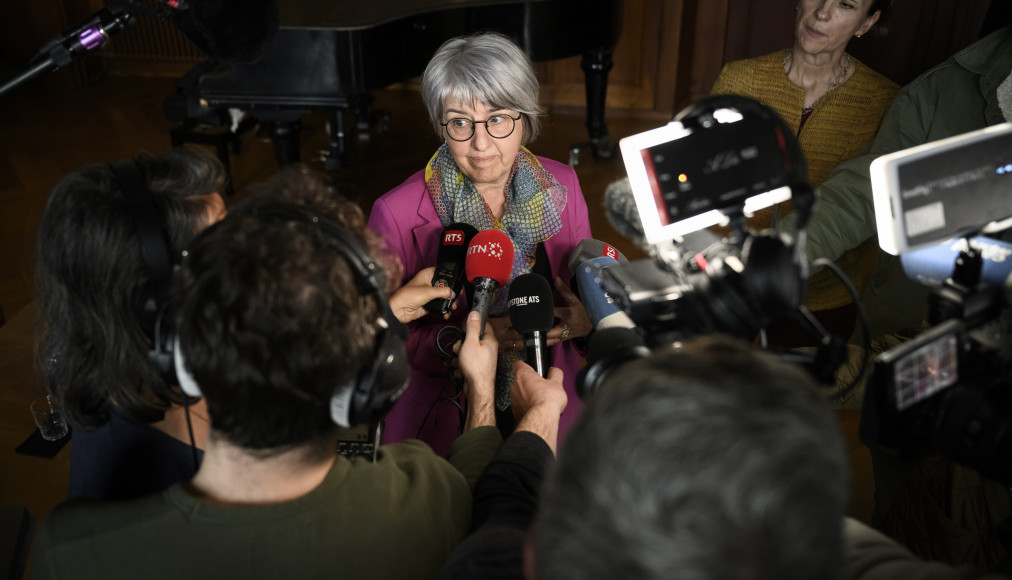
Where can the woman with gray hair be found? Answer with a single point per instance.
(482, 96)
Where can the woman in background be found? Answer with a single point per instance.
(835, 104)
(482, 98)
(132, 433)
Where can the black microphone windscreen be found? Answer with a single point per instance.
(531, 306)
(238, 32)
(621, 211)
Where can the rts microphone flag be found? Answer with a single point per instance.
(589, 249)
(488, 265)
(532, 313)
(600, 307)
(450, 263)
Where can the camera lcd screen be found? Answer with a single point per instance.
(923, 366)
(942, 190)
(683, 179)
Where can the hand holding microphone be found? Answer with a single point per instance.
(488, 265)
(411, 300)
(449, 271)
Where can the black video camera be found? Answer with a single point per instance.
(948, 389)
(715, 164)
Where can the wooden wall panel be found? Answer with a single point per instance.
(922, 33)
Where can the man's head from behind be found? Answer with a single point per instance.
(712, 461)
(271, 317)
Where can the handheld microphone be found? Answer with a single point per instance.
(589, 249)
(488, 265)
(600, 307)
(532, 313)
(450, 263)
(606, 351)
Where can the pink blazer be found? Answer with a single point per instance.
(407, 220)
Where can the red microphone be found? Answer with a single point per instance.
(488, 265)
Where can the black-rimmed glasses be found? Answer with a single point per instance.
(498, 126)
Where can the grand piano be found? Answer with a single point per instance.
(329, 55)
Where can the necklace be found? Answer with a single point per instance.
(846, 63)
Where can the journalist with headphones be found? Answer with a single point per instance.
(106, 246)
(284, 328)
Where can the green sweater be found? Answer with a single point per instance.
(396, 518)
(954, 97)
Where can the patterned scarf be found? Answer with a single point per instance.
(534, 204)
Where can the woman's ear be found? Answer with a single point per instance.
(868, 23)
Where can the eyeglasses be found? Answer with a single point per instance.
(498, 126)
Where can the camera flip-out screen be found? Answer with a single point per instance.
(919, 368)
(683, 178)
(942, 190)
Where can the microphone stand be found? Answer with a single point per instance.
(82, 38)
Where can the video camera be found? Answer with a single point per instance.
(948, 389)
(715, 164)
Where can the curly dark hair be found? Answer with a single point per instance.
(269, 316)
(91, 277)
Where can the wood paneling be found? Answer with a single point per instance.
(920, 35)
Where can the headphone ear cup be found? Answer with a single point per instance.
(186, 380)
(162, 347)
(774, 281)
(380, 383)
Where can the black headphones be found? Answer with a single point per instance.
(371, 392)
(153, 307)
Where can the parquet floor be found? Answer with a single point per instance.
(48, 129)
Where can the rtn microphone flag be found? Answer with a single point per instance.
(488, 265)
(450, 263)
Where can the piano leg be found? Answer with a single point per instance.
(596, 64)
(338, 141)
(284, 130)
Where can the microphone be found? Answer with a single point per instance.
(606, 351)
(488, 265)
(591, 248)
(532, 313)
(586, 250)
(932, 266)
(450, 263)
(230, 31)
(620, 209)
(600, 307)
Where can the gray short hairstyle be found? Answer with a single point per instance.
(717, 461)
(487, 68)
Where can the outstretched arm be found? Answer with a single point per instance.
(538, 402)
(477, 365)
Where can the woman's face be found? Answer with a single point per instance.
(485, 160)
(826, 26)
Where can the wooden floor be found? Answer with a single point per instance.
(48, 129)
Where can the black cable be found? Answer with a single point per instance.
(445, 349)
(862, 317)
(189, 428)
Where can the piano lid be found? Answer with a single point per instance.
(356, 15)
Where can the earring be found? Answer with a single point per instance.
(858, 35)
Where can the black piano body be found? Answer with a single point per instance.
(329, 55)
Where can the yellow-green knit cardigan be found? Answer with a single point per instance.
(842, 124)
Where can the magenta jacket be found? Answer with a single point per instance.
(407, 220)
